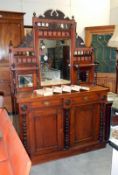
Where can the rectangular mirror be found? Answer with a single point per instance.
(54, 61)
(25, 80)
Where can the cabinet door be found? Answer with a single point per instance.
(85, 124)
(45, 130)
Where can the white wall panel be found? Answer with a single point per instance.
(114, 12)
(86, 12)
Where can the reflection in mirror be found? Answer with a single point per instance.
(54, 61)
(25, 80)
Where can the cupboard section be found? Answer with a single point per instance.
(62, 124)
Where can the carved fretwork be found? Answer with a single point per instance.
(49, 21)
(52, 14)
(66, 129)
(102, 123)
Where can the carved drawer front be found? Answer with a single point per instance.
(45, 103)
(86, 98)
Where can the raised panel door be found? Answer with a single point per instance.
(45, 130)
(85, 124)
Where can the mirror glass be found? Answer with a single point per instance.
(25, 80)
(54, 61)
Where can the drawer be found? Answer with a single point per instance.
(86, 98)
(45, 103)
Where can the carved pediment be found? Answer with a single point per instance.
(52, 14)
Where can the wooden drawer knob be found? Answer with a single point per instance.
(67, 102)
(24, 107)
(85, 98)
(46, 103)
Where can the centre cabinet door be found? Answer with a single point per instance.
(85, 124)
(45, 130)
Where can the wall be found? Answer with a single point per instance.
(86, 12)
(113, 11)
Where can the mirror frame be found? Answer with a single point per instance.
(54, 25)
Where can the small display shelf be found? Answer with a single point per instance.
(84, 55)
(84, 65)
(23, 66)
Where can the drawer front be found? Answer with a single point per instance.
(45, 103)
(86, 98)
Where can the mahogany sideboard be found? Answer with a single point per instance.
(64, 124)
(57, 125)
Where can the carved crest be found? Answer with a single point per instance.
(52, 14)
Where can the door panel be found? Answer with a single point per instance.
(46, 130)
(85, 122)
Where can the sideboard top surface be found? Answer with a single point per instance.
(30, 96)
